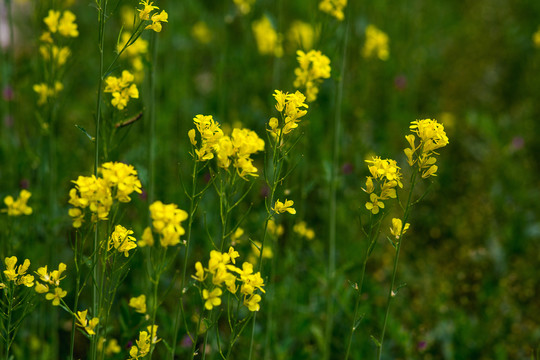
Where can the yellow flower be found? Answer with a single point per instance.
(536, 38)
(67, 26)
(244, 6)
(82, 321)
(301, 34)
(57, 55)
(334, 8)
(138, 303)
(18, 207)
(122, 89)
(376, 43)
(201, 32)
(166, 220)
(52, 20)
(267, 39)
(212, 298)
(396, 229)
(313, 68)
(157, 19)
(142, 348)
(41, 288)
(57, 296)
(302, 230)
(199, 272)
(121, 240)
(432, 137)
(144, 13)
(281, 207)
(252, 302)
(147, 238)
(267, 251)
(112, 347)
(374, 204)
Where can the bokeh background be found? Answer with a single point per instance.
(470, 260)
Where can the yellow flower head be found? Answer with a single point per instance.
(244, 6)
(268, 40)
(18, 207)
(396, 229)
(138, 303)
(212, 298)
(432, 137)
(166, 220)
(122, 241)
(122, 179)
(201, 32)
(57, 296)
(281, 207)
(376, 43)
(333, 8)
(313, 68)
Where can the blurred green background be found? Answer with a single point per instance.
(470, 261)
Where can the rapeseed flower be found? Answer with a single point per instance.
(432, 137)
(138, 303)
(87, 325)
(65, 24)
(142, 348)
(302, 230)
(286, 206)
(122, 89)
(201, 32)
(157, 19)
(313, 68)
(376, 43)
(121, 240)
(333, 8)
(18, 274)
(267, 39)
(397, 228)
(387, 175)
(19, 206)
(56, 296)
(45, 92)
(166, 221)
(212, 298)
(122, 179)
(292, 108)
(57, 55)
(244, 6)
(301, 34)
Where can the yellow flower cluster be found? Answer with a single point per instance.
(53, 278)
(45, 92)
(223, 272)
(376, 43)
(314, 66)
(536, 38)
(166, 221)
(111, 348)
(302, 230)
(17, 274)
(432, 137)
(268, 40)
(292, 107)
(301, 34)
(138, 303)
(274, 229)
(134, 53)
(18, 207)
(201, 32)
(63, 23)
(157, 19)
(121, 240)
(142, 348)
(385, 176)
(87, 325)
(122, 89)
(236, 149)
(56, 55)
(118, 181)
(334, 8)
(244, 6)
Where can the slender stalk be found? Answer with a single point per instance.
(391, 293)
(372, 238)
(95, 288)
(8, 327)
(333, 202)
(180, 309)
(152, 111)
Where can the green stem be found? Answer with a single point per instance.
(372, 241)
(95, 288)
(391, 293)
(180, 308)
(333, 203)
(8, 327)
(152, 111)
